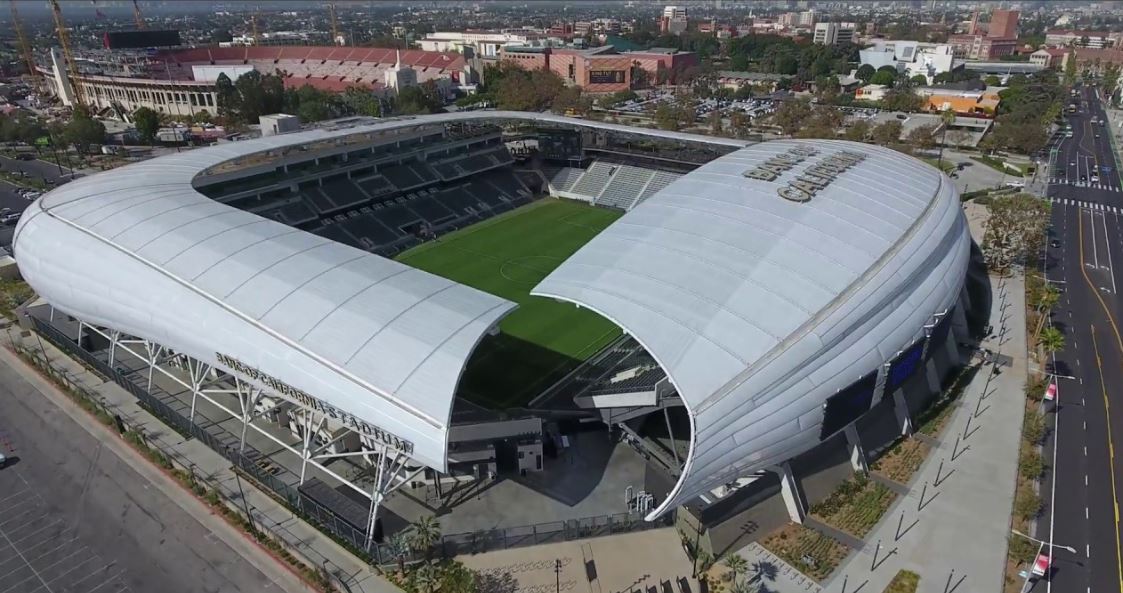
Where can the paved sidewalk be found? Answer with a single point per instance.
(317, 548)
(952, 529)
(955, 537)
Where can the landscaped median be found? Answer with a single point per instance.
(812, 553)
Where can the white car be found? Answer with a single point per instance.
(1095, 178)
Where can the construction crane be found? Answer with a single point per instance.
(334, 25)
(24, 46)
(253, 26)
(72, 65)
(137, 16)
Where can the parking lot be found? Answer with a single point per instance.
(39, 551)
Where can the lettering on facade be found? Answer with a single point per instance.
(284, 389)
(819, 176)
(772, 168)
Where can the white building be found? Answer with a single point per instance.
(910, 57)
(484, 44)
(278, 123)
(833, 33)
(400, 77)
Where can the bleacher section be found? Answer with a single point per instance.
(466, 165)
(659, 181)
(596, 177)
(564, 179)
(609, 184)
(625, 187)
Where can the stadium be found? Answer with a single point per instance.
(509, 319)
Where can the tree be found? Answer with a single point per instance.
(227, 98)
(1110, 77)
(1015, 226)
(791, 115)
(884, 78)
(947, 118)
(858, 131)
(569, 99)
(737, 566)
(422, 98)
(919, 79)
(887, 132)
(922, 137)
(993, 80)
(425, 578)
(739, 124)
(667, 117)
(424, 533)
(865, 72)
(147, 124)
(827, 88)
(1070, 68)
(1052, 340)
(357, 100)
(457, 578)
(714, 120)
(902, 98)
(83, 130)
(1045, 300)
(399, 548)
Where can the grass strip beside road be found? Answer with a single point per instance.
(998, 165)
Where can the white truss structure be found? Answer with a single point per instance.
(390, 468)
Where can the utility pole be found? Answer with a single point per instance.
(72, 65)
(557, 575)
(137, 16)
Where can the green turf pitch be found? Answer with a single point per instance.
(507, 256)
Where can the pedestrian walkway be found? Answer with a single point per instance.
(1085, 184)
(1089, 205)
(965, 488)
(313, 545)
(952, 526)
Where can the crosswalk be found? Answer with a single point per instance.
(1088, 205)
(1103, 186)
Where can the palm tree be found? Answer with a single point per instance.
(1052, 340)
(424, 534)
(1046, 300)
(947, 117)
(737, 566)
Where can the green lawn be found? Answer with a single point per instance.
(507, 256)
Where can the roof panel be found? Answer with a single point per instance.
(718, 276)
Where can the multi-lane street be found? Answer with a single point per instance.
(1085, 247)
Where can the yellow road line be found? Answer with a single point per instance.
(1103, 387)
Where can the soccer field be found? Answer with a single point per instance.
(507, 256)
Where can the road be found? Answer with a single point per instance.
(1086, 227)
(76, 517)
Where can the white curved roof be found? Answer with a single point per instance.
(759, 307)
(139, 250)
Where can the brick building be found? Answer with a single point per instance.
(603, 69)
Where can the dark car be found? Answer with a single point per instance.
(25, 156)
(1055, 243)
(1083, 178)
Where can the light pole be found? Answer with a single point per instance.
(1044, 543)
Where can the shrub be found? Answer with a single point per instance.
(1021, 549)
(1033, 430)
(1031, 464)
(1028, 505)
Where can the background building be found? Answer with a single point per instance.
(833, 33)
(910, 57)
(1003, 23)
(674, 20)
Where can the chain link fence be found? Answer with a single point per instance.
(247, 461)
